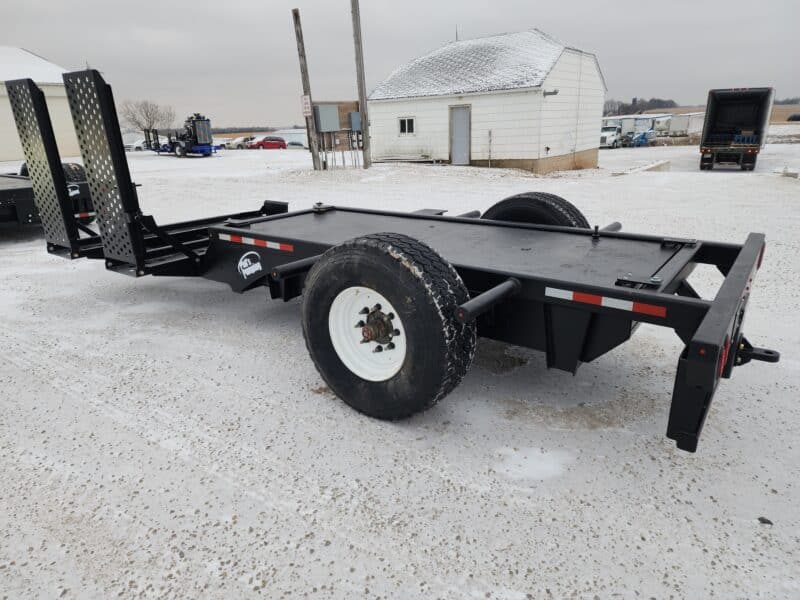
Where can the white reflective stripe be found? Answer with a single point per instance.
(620, 304)
(248, 241)
(273, 245)
(557, 293)
(224, 237)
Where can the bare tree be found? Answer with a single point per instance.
(612, 107)
(144, 114)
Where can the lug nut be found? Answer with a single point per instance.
(364, 311)
(391, 316)
(378, 349)
(376, 308)
(360, 324)
(390, 346)
(396, 332)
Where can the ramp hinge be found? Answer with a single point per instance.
(634, 281)
(319, 207)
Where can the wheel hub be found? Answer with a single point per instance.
(378, 327)
(369, 341)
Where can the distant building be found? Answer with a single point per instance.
(520, 100)
(18, 63)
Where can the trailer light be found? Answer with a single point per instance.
(702, 352)
(723, 356)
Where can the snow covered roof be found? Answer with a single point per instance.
(499, 62)
(18, 63)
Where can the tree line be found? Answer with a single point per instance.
(637, 105)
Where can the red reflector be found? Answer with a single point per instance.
(723, 356)
(587, 298)
(236, 239)
(650, 309)
(761, 256)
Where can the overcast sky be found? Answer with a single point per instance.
(236, 60)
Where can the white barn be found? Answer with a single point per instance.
(520, 100)
(18, 63)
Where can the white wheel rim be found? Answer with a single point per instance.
(347, 335)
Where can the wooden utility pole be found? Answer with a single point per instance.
(362, 85)
(311, 126)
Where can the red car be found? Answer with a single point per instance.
(267, 142)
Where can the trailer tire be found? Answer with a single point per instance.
(180, 151)
(421, 291)
(73, 172)
(537, 208)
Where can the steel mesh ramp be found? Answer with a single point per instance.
(44, 164)
(113, 194)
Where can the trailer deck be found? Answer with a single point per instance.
(526, 251)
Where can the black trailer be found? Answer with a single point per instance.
(391, 323)
(735, 127)
(17, 205)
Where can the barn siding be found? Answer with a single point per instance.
(571, 119)
(511, 116)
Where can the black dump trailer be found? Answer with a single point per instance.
(393, 302)
(735, 127)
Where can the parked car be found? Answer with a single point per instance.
(611, 136)
(267, 142)
(794, 117)
(137, 146)
(297, 145)
(239, 143)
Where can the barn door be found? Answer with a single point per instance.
(459, 135)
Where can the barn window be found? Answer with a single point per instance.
(406, 125)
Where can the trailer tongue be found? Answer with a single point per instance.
(391, 323)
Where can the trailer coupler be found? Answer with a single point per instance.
(748, 352)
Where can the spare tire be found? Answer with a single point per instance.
(537, 208)
(73, 172)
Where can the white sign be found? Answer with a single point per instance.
(307, 106)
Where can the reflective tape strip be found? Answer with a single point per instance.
(238, 239)
(596, 300)
(84, 215)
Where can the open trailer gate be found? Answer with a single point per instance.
(391, 323)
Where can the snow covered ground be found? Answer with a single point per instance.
(165, 437)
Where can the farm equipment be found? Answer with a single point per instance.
(18, 190)
(391, 323)
(195, 138)
(637, 139)
(735, 127)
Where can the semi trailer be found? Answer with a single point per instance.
(735, 127)
(393, 302)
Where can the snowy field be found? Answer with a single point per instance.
(168, 438)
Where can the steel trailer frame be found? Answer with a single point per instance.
(574, 294)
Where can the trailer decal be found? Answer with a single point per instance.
(238, 239)
(583, 298)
